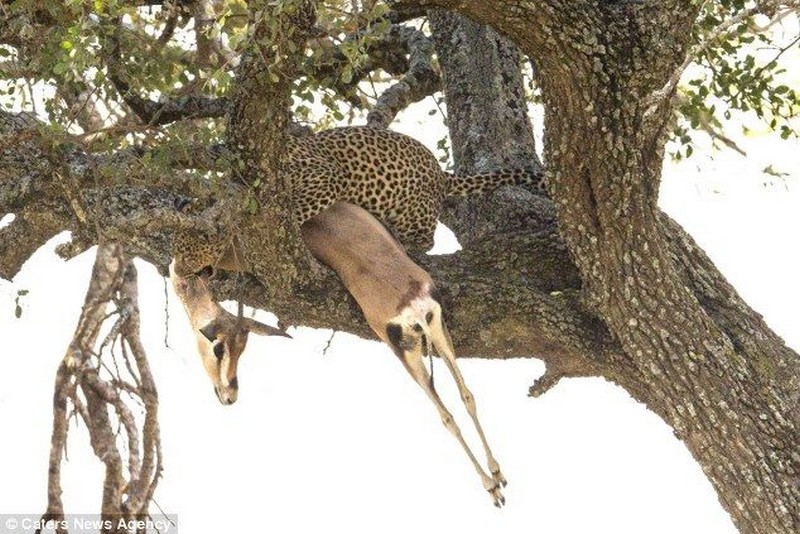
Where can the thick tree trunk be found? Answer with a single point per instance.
(696, 354)
(736, 409)
(257, 125)
(487, 120)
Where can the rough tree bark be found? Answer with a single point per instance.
(616, 289)
(257, 122)
(486, 116)
(489, 126)
(696, 354)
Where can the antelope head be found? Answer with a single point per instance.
(221, 343)
(220, 335)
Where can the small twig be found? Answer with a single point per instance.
(166, 313)
(169, 27)
(128, 365)
(328, 344)
(77, 113)
(783, 50)
(724, 139)
(113, 333)
(113, 373)
(163, 513)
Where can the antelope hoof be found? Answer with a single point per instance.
(498, 477)
(493, 487)
(497, 496)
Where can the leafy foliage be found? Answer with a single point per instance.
(187, 49)
(740, 66)
(165, 53)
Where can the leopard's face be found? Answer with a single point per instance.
(193, 253)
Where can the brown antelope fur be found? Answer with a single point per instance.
(221, 336)
(400, 303)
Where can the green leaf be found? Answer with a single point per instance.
(347, 74)
(252, 205)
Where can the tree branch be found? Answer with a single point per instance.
(319, 297)
(420, 80)
(51, 186)
(208, 46)
(83, 370)
(170, 109)
(29, 231)
(257, 124)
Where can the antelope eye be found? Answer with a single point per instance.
(417, 328)
(219, 350)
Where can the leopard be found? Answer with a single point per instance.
(389, 174)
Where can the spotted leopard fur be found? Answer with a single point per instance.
(391, 175)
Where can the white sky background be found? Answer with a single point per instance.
(346, 441)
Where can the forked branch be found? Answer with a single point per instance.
(117, 403)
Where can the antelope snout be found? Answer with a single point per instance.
(227, 394)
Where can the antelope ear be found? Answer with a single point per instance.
(211, 330)
(264, 329)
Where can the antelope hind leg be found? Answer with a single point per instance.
(414, 364)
